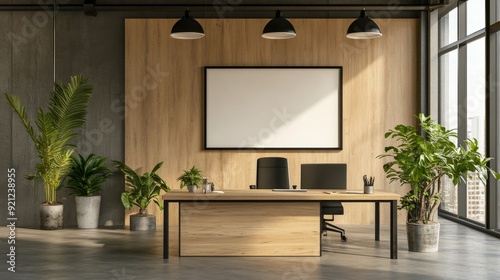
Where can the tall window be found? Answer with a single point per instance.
(476, 15)
(476, 123)
(494, 55)
(448, 28)
(462, 96)
(448, 108)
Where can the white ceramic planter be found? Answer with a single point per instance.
(87, 211)
(51, 216)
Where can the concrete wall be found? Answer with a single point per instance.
(93, 46)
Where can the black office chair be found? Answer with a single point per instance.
(272, 173)
(326, 176)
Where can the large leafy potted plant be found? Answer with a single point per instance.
(142, 189)
(56, 127)
(422, 162)
(85, 180)
(191, 178)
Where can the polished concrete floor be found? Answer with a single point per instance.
(124, 255)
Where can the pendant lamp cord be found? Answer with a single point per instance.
(54, 43)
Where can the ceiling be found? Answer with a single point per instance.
(242, 8)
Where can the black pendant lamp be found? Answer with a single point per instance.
(278, 28)
(363, 28)
(187, 28)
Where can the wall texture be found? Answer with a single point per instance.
(92, 46)
(164, 96)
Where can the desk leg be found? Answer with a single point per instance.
(165, 229)
(394, 229)
(377, 221)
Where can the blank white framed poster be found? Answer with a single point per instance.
(273, 107)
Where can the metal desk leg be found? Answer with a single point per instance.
(394, 229)
(165, 229)
(377, 221)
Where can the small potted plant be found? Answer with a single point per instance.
(191, 178)
(422, 163)
(142, 189)
(85, 180)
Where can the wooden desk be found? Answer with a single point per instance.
(261, 222)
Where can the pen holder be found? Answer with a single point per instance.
(368, 190)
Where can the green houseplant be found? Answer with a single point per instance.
(191, 178)
(85, 180)
(422, 163)
(56, 127)
(143, 188)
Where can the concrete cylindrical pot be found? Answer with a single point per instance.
(423, 237)
(192, 188)
(142, 221)
(51, 216)
(87, 211)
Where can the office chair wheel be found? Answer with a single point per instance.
(343, 238)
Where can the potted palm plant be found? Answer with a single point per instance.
(85, 180)
(142, 189)
(422, 163)
(56, 127)
(191, 178)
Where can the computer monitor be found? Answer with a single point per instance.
(323, 176)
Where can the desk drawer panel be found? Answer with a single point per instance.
(250, 229)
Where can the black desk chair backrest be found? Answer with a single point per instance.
(332, 176)
(272, 173)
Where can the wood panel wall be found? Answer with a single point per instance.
(165, 90)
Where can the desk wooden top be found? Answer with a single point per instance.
(270, 195)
